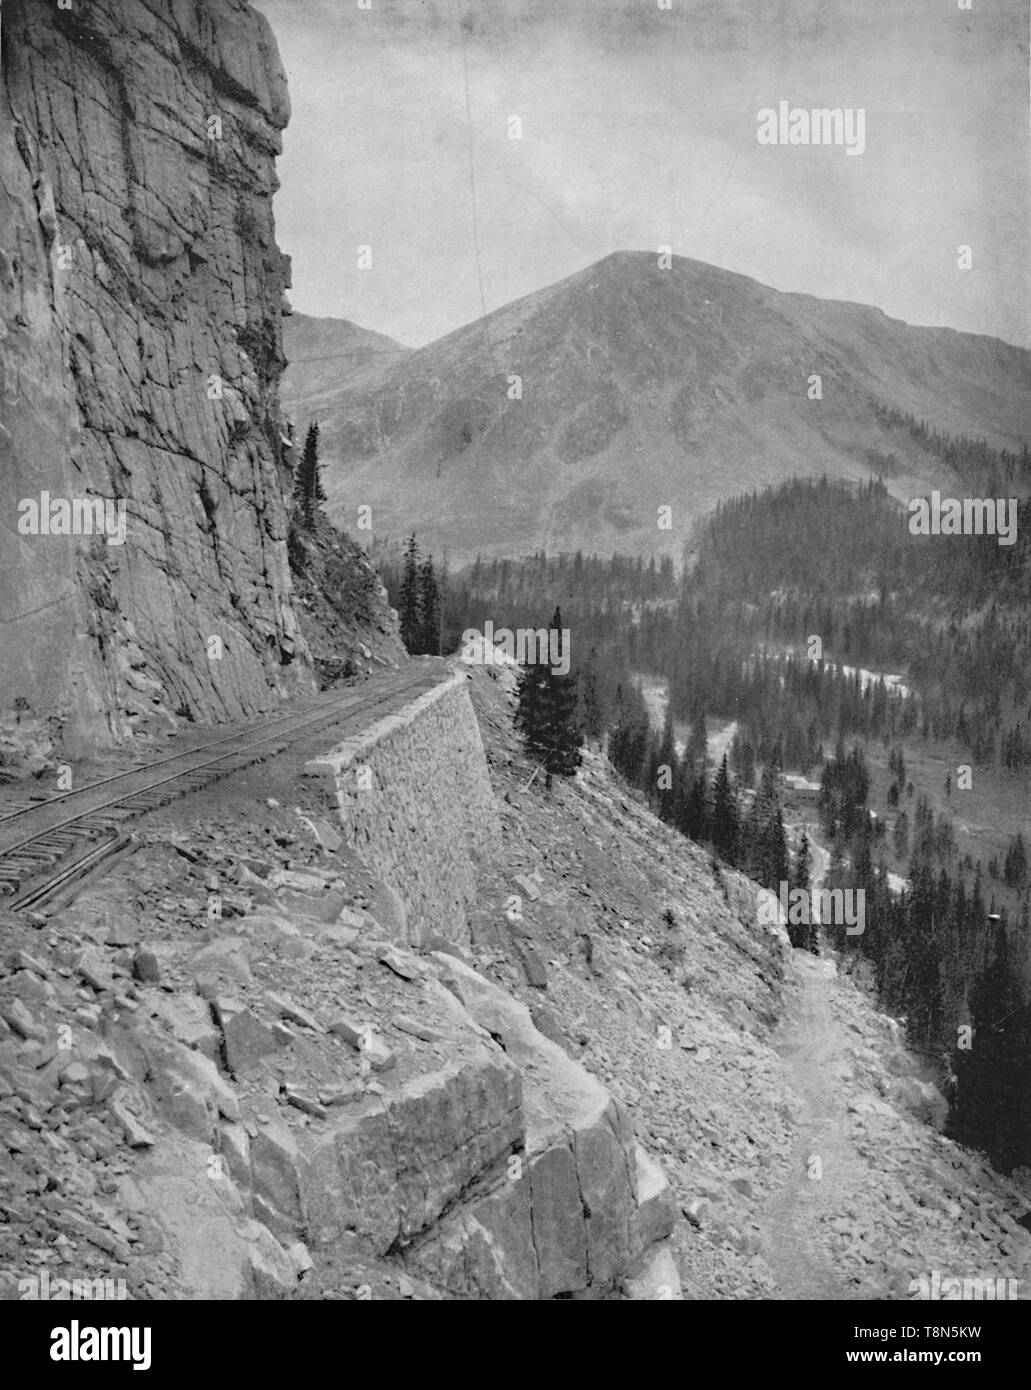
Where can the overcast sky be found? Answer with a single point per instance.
(639, 129)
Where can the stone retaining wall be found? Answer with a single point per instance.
(416, 803)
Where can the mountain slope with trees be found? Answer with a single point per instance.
(946, 923)
(568, 418)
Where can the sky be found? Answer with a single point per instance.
(638, 130)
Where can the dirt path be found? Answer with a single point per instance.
(813, 1047)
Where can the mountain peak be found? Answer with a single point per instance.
(567, 418)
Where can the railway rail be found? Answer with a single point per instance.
(49, 843)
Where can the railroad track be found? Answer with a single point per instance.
(47, 844)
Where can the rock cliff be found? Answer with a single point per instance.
(141, 295)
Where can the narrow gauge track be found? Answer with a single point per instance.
(46, 844)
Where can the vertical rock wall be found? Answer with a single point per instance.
(141, 294)
(416, 803)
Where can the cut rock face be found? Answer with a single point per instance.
(155, 210)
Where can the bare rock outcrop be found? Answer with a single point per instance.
(141, 294)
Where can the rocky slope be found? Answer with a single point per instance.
(342, 605)
(286, 1099)
(141, 293)
(610, 1083)
(644, 387)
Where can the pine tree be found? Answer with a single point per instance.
(697, 820)
(777, 850)
(428, 609)
(666, 761)
(530, 716)
(546, 714)
(590, 711)
(800, 873)
(763, 846)
(445, 641)
(725, 818)
(1015, 865)
(564, 737)
(630, 735)
(307, 484)
(697, 743)
(901, 835)
(650, 772)
(408, 612)
(681, 794)
(803, 935)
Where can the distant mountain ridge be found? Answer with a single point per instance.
(567, 419)
(323, 352)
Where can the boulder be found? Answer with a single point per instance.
(389, 1168)
(92, 968)
(189, 1018)
(350, 1181)
(187, 1089)
(244, 1037)
(656, 1210)
(145, 966)
(286, 1008)
(224, 959)
(276, 1178)
(657, 1277)
(921, 1099)
(235, 1147)
(403, 963)
(559, 1231)
(388, 911)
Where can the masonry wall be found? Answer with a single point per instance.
(416, 803)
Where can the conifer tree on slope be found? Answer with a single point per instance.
(308, 491)
(696, 822)
(429, 609)
(408, 610)
(667, 770)
(697, 743)
(725, 831)
(590, 707)
(806, 936)
(629, 736)
(546, 715)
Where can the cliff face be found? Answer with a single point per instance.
(141, 292)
